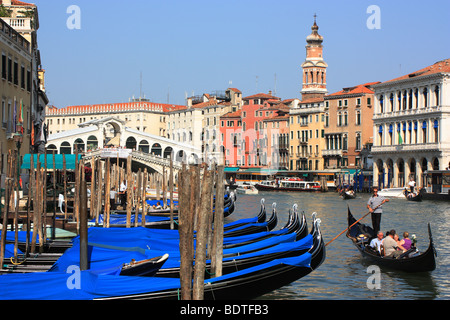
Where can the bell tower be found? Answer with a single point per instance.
(314, 67)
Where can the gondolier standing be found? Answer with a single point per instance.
(375, 207)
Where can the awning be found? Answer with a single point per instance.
(231, 169)
(70, 161)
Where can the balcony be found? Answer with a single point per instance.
(420, 147)
(333, 153)
(410, 112)
(19, 24)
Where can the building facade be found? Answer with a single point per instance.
(307, 125)
(411, 121)
(198, 123)
(15, 93)
(23, 17)
(348, 127)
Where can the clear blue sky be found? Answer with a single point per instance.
(186, 46)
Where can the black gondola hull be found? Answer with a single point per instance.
(419, 263)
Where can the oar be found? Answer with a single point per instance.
(351, 226)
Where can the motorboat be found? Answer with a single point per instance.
(246, 189)
(392, 192)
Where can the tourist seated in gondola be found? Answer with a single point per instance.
(377, 242)
(399, 245)
(405, 243)
(158, 206)
(390, 246)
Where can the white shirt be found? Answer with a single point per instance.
(376, 243)
(412, 183)
(123, 187)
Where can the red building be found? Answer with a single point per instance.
(251, 134)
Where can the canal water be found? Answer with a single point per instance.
(344, 274)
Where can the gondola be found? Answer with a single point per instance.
(110, 247)
(347, 196)
(253, 227)
(244, 257)
(411, 261)
(245, 284)
(144, 268)
(410, 196)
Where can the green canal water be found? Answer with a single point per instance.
(344, 274)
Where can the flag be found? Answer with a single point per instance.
(21, 112)
(400, 140)
(14, 117)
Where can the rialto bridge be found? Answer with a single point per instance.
(109, 137)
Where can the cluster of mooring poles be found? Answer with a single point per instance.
(199, 214)
(200, 220)
(35, 217)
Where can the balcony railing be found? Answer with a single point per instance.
(332, 152)
(424, 147)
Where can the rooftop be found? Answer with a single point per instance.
(359, 89)
(442, 66)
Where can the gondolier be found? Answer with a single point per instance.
(376, 209)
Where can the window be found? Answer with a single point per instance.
(358, 118)
(10, 77)
(369, 101)
(358, 141)
(4, 67)
(22, 77)
(4, 114)
(16, 73)
(425, 98)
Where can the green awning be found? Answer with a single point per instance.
(231, 169)
(70, 161)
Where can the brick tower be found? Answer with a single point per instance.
(314, 67)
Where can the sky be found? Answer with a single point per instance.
(99, 52)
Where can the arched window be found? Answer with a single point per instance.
(92, 143)
(78, 145)
(391, 130)
(168, 152)
(380, 135)
(144, 146)
(52, 148)
(156, 149)
(381, 103)
(65, 148)
(436, 94)
(131, 143)
(425, 97)
(391, 100)
(436, 130)
(424, 132)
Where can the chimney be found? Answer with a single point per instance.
(270, 92)
(6, 3)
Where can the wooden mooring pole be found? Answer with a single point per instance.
(84, 263)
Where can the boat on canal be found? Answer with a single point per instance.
(291, 184)
(411, 261)
(246, 189)
(392, 192)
